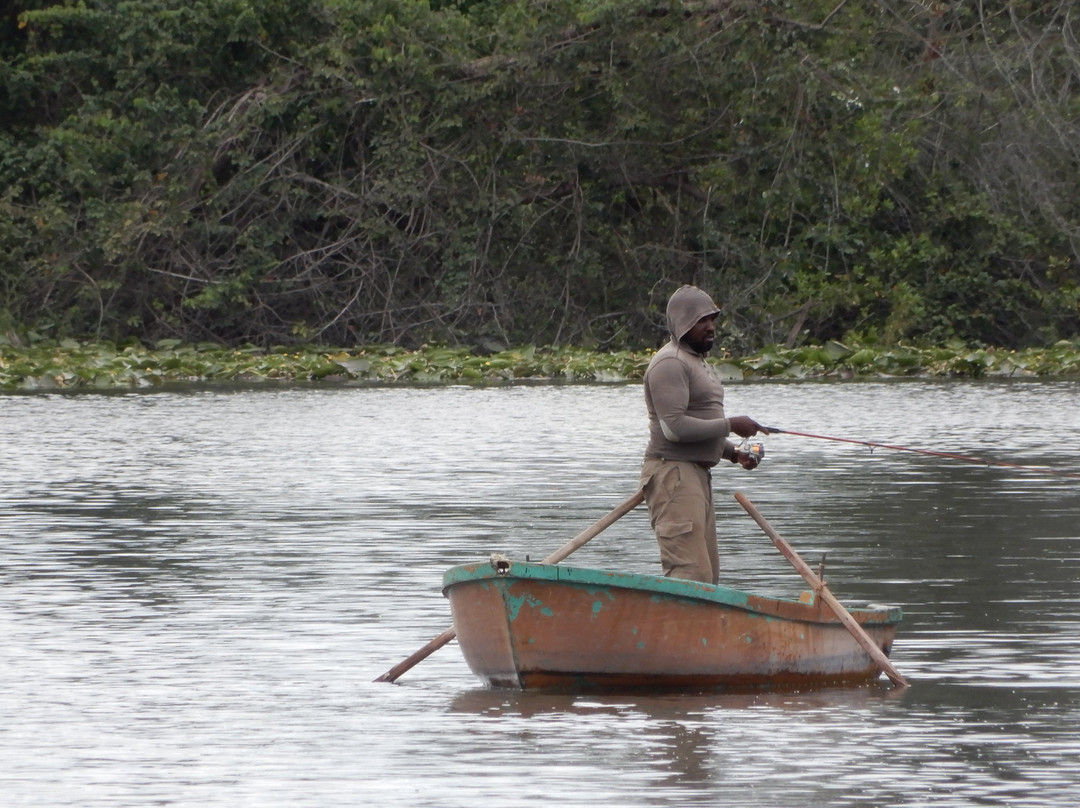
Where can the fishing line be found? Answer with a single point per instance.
(950, 455)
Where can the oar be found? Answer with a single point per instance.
(823, 591)
(571, 546)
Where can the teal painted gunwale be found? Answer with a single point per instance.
(658, 585)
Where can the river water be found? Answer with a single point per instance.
(198, 587)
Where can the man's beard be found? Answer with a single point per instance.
(702, 346)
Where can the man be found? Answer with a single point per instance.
(687, 437)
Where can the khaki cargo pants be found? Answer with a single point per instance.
(679, 496)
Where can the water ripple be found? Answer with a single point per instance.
(196, 590)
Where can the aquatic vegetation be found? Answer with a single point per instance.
(73, 365)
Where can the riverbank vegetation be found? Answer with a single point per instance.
(397, 172)
(70, 365)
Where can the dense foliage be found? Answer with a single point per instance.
(395, 171)
(70, 365)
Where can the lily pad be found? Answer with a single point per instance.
(729, 372)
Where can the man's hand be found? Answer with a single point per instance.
(746, 427)
(746, 460)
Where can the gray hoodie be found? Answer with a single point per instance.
(685, 307)
(684, 397)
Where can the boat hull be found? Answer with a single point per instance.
(537, 626)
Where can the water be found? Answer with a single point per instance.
(198, 588)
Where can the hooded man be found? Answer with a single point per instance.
(688, 434)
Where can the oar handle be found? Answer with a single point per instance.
(842, 614)
(575, 544)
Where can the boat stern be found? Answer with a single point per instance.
(480, 620)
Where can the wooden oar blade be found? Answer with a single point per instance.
(418, 656)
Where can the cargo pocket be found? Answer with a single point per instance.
(677, 545)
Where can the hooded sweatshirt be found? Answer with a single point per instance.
(683, 394)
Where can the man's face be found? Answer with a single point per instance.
(701, 337)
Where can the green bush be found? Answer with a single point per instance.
(392, 171)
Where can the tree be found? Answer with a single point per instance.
(278, 171)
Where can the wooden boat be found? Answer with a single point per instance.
(544, 626)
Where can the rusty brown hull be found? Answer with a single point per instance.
(536, 626)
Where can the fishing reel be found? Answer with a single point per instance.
(755, 448)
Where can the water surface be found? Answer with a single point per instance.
(197, 589)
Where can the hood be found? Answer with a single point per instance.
(687, 305)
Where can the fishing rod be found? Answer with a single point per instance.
(950, 455)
